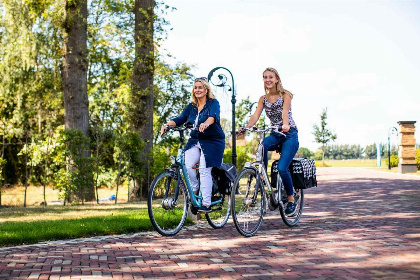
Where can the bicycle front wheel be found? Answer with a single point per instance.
(293, 220)
(167, 204)
(220, 214)
(247, 203)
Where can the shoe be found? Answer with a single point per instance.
(290, 209)
(194, 209)
(204, 209)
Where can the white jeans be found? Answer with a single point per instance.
(192, 156)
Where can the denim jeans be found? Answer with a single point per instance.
(288, 147)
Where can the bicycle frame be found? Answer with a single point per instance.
(178, 163)
(259, 165)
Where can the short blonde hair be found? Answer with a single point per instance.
(279, 87)
(206, 85)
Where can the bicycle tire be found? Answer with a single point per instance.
(218, 219)
(247, 203)
(167, 212)
(294, 220)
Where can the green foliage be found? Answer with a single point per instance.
(173, 93)
(161, 157)
(344, 151)
(242, 156)
(394, 161)
(74, 176)
(305, 152)
(31, 94)
(322, 134)
(318, 154)
(370, 151)
(127, 152)
(244, 111)
(418, 158)
(2, 164)
(30, 79)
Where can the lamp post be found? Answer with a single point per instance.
(391, 131)
(222, 80)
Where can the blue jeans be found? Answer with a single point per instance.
(288, 147)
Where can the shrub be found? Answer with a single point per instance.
(242, 156)
(394, 161)
(418, 158)
(305, 152)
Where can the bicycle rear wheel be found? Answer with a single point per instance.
(247, 203)
(167, 204)
(294, 219)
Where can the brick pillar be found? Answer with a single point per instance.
(407, 147)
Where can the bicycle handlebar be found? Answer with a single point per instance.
(260, 130)
(181, 128)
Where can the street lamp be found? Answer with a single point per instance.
(222, 80)
(391, 131)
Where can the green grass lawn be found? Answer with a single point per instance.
(20, 225)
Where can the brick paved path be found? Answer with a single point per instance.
(359, 224)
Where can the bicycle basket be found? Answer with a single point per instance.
(303, 172)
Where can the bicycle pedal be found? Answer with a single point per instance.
(215, 209)
(194, 210)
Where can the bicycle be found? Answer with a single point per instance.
(170, 197)
(249, 195)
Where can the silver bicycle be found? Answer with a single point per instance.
(253, 195)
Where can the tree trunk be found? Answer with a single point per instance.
(142, 87)
(75, 66)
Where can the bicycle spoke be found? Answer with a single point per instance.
(167, 204)
(247, 203)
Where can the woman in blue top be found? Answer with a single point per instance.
(205, 145)
(277, 104)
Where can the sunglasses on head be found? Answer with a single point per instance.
(202, 79)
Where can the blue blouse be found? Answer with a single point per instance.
(212, 140)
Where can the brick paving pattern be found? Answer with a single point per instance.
(358, 224)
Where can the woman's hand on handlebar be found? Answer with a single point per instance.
(285, 128)
(241, 130)
(163, 129)
(203, 126)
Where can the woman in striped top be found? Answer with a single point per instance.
(277, 104)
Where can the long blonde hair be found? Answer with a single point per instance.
(206, 85)
(279, 87)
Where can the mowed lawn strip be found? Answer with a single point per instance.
(20, 226)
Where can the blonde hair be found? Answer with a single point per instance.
(279, 87)
(206, 85)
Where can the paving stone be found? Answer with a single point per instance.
(335, 239)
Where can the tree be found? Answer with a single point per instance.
(322, 134)
(305, 152)
(75, 67)
(142, 97)
(30, 81)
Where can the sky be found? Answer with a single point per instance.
(358, 59)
